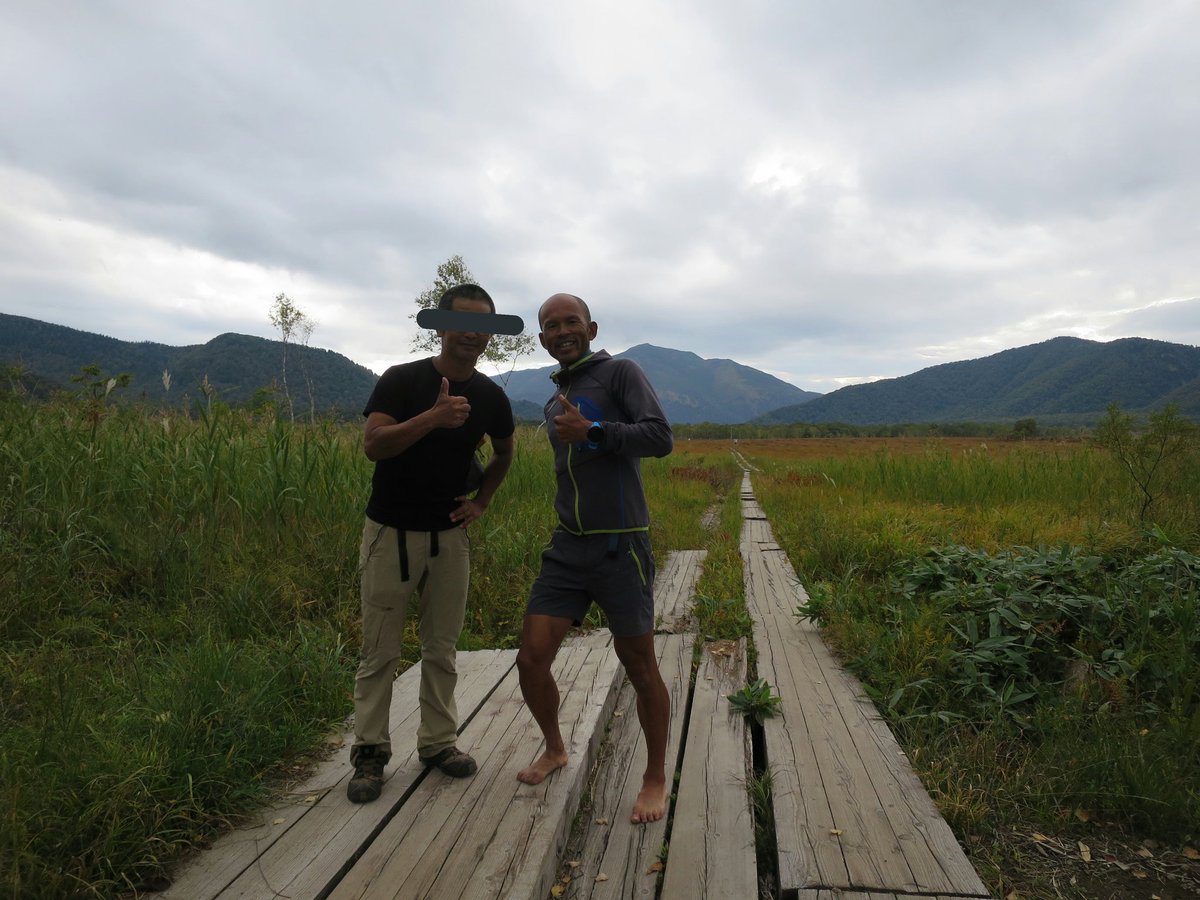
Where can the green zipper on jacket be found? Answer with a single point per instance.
(575, 484)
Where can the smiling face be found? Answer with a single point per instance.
(566, 329)
(465, 346)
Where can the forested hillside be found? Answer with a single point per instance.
(1064, 377)
(235, 365)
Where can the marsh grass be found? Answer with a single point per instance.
(178, 604)
(180, 619)
(720, 602)
(760, 789)
(179, 623)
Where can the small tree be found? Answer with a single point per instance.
(1150, 454)
(501, 348)
(291, 322)
(306, 329)
(1024, 429)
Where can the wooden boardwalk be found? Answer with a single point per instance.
(852, 822)
(850, 815)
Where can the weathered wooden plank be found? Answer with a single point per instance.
(712, 837)
(808, 848)
(310, 859)
(751, 509)
(675, 585)
(875, 812)
(768, 584)
(757, 531)
(857, 820)
(827, 894)
(930, 849)
(904, 809)
(529, 862)
(609, 843)
(755, 527)
(261, 860)
(490, 835)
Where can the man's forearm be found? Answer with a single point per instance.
(386, 441)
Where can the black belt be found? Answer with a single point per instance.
(402, 545)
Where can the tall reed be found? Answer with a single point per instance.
(180, 618)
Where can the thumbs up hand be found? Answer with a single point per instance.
(570, 427)
(450, 411)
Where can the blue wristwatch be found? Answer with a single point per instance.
(595, 435)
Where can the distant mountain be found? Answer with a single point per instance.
(691, 389)
(237, 365)
(1060, 378)
(527, 411)
(1065, 379)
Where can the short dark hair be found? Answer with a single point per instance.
(587, 313)
(466, 292)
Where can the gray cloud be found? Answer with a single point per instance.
(827, 191)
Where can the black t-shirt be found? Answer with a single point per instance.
(416, 490)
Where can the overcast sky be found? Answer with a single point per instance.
(831, 192)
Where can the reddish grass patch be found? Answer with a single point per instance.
(839, 447)
(712, 477)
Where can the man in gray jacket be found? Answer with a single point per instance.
(603, 419)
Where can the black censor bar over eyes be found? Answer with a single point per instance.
(457, 320)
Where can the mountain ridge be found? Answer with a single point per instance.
(1062, 376)
(691, 389)
(236, 365)
(1064, 379)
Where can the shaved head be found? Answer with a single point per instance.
(587, 313)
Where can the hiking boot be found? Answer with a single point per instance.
(367, 782)
(452, 761)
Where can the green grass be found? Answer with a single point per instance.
(720, 603)
(179, 624)
(179, 600)
(180, 615)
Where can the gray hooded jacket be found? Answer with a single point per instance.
(600, 490)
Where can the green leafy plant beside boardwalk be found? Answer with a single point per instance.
(755, 701)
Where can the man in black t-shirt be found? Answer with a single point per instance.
(424, 422)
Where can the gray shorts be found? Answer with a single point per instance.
(616, 572)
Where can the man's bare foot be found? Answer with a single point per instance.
(545, 764)
(651, 803)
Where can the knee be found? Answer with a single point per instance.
(642, 671)
(639, 676)
(439, 649)
(533, 660)
(376, 664)
(442, 661)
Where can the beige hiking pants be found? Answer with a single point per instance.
(439, 585)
